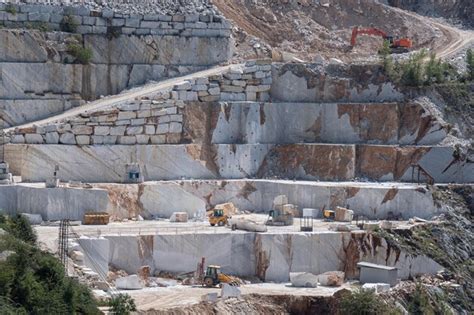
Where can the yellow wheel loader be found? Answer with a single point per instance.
(214, 277)
(218, 218)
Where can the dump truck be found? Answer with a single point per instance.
(218, 218)
(214, 277)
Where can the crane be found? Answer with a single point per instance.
(397, 45)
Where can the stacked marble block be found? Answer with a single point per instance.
(5, 175)
(87, 21)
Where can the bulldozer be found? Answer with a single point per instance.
(397, 45)
(219, 218)
(214, 277)
(279, 218)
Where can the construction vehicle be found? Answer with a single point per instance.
(218, 217)
(397, 45)
(214, 277)
(279, 218)
(96, 218)
(329, 215)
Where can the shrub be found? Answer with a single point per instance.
(42, 26)
(470, 64)
(364, 302)
(69, 24)
(83, 55)
(420, 302)
(19, 227)
(122, 304)
(34, 282)
(10, 8)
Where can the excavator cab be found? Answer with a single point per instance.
(211, 278)
(218, 217)
(214, 277)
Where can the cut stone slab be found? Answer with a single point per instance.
(331, 278)
(229, 291)
(344, 215)
(377, 287)
(179, 217)
(303, 279)
(129, 283)
(209, 297)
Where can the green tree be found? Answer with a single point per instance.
(20, 227)
(122, 304)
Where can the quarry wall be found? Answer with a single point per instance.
(269, 256)
(41, 77)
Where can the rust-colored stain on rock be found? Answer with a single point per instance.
(372, 121)
(205, 153)
(262, 114)
(145, 247)
(374, 162)
(391, 193)
(247, 190)
(199, 122)
(324, 162)
(414, 119)
(352, 191)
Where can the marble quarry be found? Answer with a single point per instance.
(269, 256)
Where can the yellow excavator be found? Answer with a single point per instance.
(214, 277)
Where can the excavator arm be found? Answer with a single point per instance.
(366, 31)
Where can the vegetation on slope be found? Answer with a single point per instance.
(33, 281)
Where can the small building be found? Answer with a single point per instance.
(373, 273)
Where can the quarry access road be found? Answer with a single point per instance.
(456, 39)
(127, 95)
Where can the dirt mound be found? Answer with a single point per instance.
(308, 28)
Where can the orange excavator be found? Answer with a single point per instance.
(397, 45)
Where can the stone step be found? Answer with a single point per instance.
(162, 198)
(328, 162)
(278, 123)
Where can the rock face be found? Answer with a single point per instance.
(270, 256)
(42, 77)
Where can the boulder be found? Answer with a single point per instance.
(386, 225)
(279, 201)
(344, 215)
(228, 208)
(229, 291)
(77, 257)
(209, 297)
(292, 209)
(303, 279)
(34, 219)
(179, 217)
(377, 287)
(331, 278)
(129, 283)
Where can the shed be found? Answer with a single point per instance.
(373, 273)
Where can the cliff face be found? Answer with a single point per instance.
(461, 10)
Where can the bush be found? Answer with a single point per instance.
(420, 302)
(416, 71)
(34, 282)
(83, 55)
(364, 302)
(19, 227)
(470, 64)
(69, 24)
(122, 304)
(10, 8)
